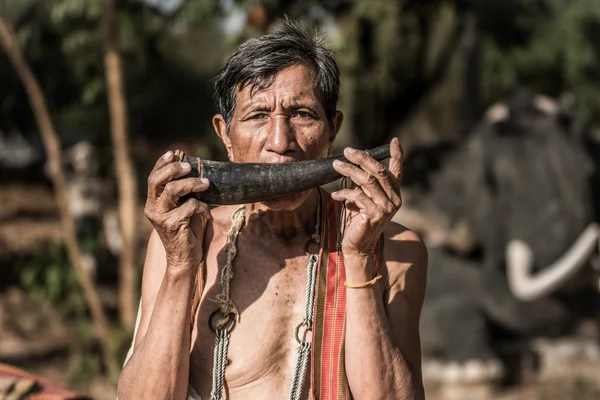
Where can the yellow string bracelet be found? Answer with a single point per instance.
(365, 284)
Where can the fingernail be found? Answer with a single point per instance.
(350, 150)
(204, 181)
(186, 165)
(337, 163)
(167, 155)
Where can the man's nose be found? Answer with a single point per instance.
(281, 135)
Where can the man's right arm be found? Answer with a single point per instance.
(159, 365)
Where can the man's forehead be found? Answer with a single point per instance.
(296, 84)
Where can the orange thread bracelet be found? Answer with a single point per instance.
(365, 284)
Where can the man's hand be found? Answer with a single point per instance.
(180, 227)
(373, 202)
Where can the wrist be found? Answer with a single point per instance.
(180, 271)
(360, 268)
(358, 255)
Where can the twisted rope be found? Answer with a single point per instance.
(226, 307)
(219, 363)
(304, 347)
(300, 370)
(222, 299)
(309, 301)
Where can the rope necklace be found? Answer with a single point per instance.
(223, 326)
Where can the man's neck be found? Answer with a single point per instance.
(286, 224)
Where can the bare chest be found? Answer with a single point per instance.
(268, 289)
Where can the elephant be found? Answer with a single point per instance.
(510, 217)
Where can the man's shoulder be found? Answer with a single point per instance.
(405, 255)
(401, 233)
(402, 244)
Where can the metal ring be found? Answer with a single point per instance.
(300, 325)
(228, 327)
(308, 244)
(179, 155)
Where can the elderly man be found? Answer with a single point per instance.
(318, 308)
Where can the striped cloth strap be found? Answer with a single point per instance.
(328, 378)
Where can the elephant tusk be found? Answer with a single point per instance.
(528, 286)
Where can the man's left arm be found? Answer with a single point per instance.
(383, 352)
(383, 358)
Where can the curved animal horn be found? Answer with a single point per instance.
(240, 183)
(528, 286)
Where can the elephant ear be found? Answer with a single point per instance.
(460, 190)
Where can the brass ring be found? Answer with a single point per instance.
(229, 324)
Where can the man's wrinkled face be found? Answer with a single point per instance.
(284, 122)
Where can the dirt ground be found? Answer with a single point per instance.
(581, 383)
(572, 387)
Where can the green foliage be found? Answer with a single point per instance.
(83, 363)
(194, 12)
(391, 56)
(554, 47)
(82, 366)
(78, 25)
(52, 277)
(14, 10)
(388, 51)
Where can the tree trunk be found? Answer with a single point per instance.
(9, 44)
(471, 72)
(123, 167)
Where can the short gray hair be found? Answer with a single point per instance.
(257, 61)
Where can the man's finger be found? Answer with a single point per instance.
(159, 178)
(190, 208)
(366, 181)
(359, 198)
(376, 169)
(176, 189)
(162, 161)
(396, 156)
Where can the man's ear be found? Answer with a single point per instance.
(337, 124)
(221, 130)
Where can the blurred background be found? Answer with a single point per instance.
(496, 104)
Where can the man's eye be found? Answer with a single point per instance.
(302, 114)
(258, 116)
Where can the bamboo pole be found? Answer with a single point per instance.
(124, 168)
